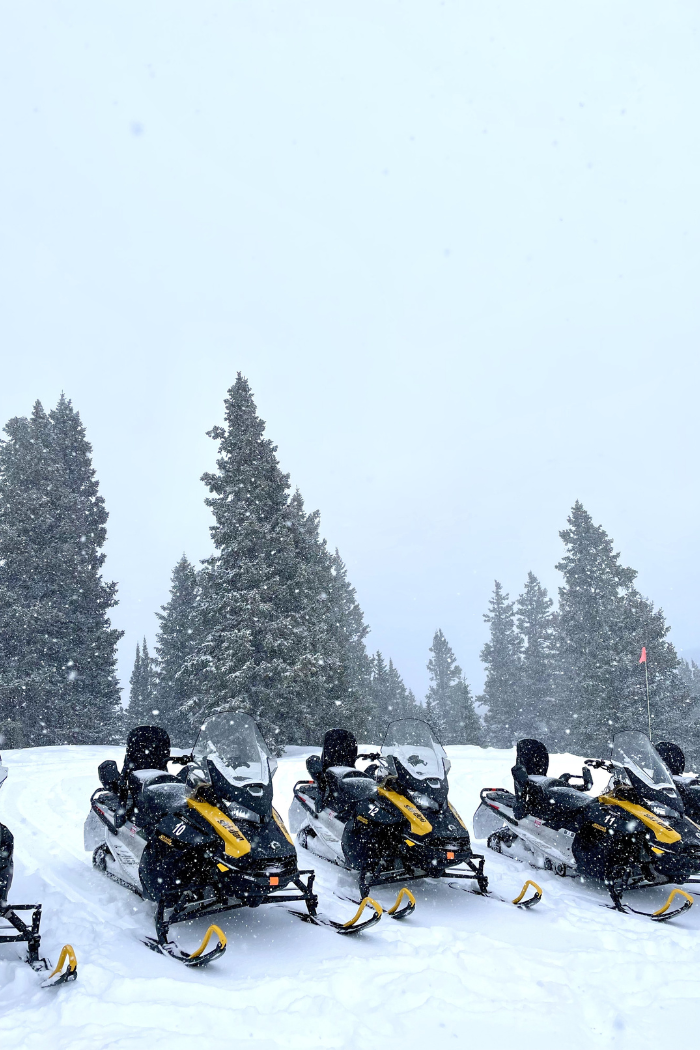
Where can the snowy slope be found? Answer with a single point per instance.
(463, 970)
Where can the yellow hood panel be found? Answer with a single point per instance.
(236, 844)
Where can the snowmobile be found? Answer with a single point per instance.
(27, 932)
(201, 842)
(687, 785)
(632, 835)
(392, 822)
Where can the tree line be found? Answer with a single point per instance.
(270, 623)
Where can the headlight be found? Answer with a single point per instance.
(422, 801)
(661, 811)
(242, 812)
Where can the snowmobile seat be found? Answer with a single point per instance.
(673, 756)
(339, 749)
(147, 747)
(540, 795)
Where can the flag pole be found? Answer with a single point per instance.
(643, 660)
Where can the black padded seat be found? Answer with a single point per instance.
(533, 756)
(339, 749)
(147, 747)
(673, 756)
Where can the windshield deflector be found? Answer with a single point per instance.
(635, 752)
(233, 744)
(412, 743)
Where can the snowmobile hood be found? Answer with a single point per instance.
(419, 824)
(236, 844)
(663, 831)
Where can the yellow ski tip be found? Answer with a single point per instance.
(673, 894)
(408, 908)
(59, 975)
(368, 902)
(213, 931)
(531, 901)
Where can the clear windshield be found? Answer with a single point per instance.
(634, 751)
(413, 743)
(233, 743)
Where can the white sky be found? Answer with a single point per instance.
(453, 246)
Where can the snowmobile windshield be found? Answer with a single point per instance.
(233, 744)
(413, 743)
(637, 754)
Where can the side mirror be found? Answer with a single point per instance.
(109, 775)
(314, 766)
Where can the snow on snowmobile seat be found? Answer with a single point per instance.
(673, 756)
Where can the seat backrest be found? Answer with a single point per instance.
(339, 748)
(672, 756)
(147, 747)
(533, 756)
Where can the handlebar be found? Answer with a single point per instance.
(373, 756)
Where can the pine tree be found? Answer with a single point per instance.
(391, 700)
(277, 637)
(603, 624)
(57, 647)
(502, 655)
(345, 632)
(537, 712)
(143, 703)
(176, 642)
(449, 703)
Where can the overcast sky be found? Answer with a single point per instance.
(453, 246)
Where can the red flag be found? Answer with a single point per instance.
(643, 657)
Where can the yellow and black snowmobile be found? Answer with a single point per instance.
(16, 929)
(393, 821)
(204, 841)
(633, 835)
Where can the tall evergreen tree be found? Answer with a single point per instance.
(449, 703)
(391, 700)
(176, 642)
(143, 704)
(603, 624)
(502, 655)
(57, 647)
(536, 711)
(271, 596)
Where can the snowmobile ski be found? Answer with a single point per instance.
(65, 971)
(397, 910)
(521, 901)
(28, 933)
(402, 912)
(662, 914)
(352, 926)
(200, 957)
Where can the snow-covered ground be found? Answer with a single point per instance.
(462, 970)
